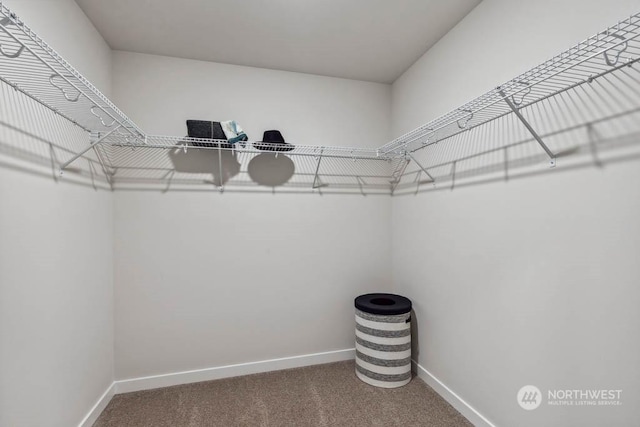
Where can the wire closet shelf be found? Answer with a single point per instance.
(131, 157)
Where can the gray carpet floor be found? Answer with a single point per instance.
(321, 395)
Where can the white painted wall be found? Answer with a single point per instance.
(534, 281)
(159, 93)
(206, 280)
(56, 243)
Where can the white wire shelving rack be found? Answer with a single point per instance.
(523, 112)
(171, 162)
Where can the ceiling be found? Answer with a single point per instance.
(371, 40)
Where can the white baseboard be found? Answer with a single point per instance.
(208, 374)
(97, 409)
(475, 417)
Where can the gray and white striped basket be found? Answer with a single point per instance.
(383, 349)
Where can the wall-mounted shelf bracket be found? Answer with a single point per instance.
(315, 178)
(93, 142)
(516, 111)
(221, 188)
(361, 184)
(421, 167)
(396, 176)
(319, 186)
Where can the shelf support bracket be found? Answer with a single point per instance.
(54, 162)
(83, 152)
(417, 181)
(552, 162)
(221, 188)
(421, 167)
(361, 184)
(315, 178)
(105, 170)
(398, 174)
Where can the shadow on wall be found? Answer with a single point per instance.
(271, 169)
(267, 169)
(598, 154)
(35, 140)
(415, 343)
(583, 129)
(187, 168)
(221, 164)
(587, 125)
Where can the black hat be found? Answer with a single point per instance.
(272, 140)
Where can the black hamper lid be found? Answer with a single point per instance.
(383, 304)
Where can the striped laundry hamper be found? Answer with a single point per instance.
(383, 340)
